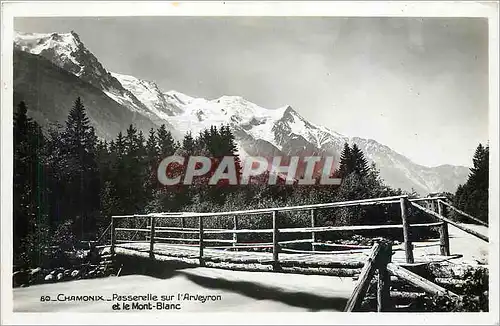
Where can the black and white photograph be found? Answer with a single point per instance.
(172, 163)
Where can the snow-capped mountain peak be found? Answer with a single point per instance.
(150, 95)
(258, 131)
(68, 52)
(60, 46)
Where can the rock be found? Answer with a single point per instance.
(75, 273)
(35, 271)
(60, 276)
(67, 272)
(49, 278)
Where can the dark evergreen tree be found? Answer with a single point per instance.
(358, 161)
(188, 144)
(151, 163)
(346, 166)
(166, 143)
(134, 200)
(30, 218)
(472, 197)
(80, 171)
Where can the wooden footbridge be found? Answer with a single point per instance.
(182, 238)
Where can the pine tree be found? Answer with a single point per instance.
(359, 162)
(472, 197)
(188, 144)
(134, 200)
(166, 143)
(152, 161)
(80, 171)
(346, 166)
(30, 218)
(118, 171)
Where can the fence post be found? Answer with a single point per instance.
(276, 246)
(152, 238)
(444, 238)
(406, 233)
(113, 236)
(235, 227)
(313, 224)
(383, 281)
(200, 223)
(183, 225)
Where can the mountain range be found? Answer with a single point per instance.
(51, 70)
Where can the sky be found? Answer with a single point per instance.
(417, 85)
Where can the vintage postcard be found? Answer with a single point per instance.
(249, 162)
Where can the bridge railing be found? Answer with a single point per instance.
(229, 238)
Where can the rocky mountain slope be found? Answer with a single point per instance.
(114, 100)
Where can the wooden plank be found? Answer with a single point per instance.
(132, 229)
(267, 260)
(195, 240)
(444, 238)
(238, 247)
(360, 202)
(238, 231)
(200, 225)
(130, 241)
(183, 229)
(178, 239)
(152, 239)
(461, 227)
(339, 245)
(177, 231)
(418, 281)
(276, 246)
(295, 241)
(340, 252)
(426, 198)
(354, 228)
(383, 279)
(250, 244)
(313, 225)
(463, 213)
(366, 275)
(113, 236)
(406, 231)
(235, 227)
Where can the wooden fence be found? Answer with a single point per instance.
(153, 232)
(379, 262)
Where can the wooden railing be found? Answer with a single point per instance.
(435, 208)
(202, 240)
(379, 261)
